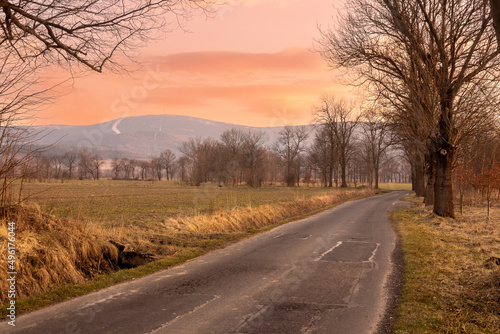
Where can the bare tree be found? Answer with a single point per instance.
(89, 164)
(495, 11)
(167, 159)
(88, 32)
(96, 163)
(157, 167)
(272, 163)
(338, 117)
(204, 160)
(129, 166)
(57, 162)
(20, 97)
(376, 139)
(116, 168)
(253, 155)
(183, 168)
(194, 168)
(145, 167)
(322, 155)
(69, 161)
(290, 144)
(233, 140)
(84, 163)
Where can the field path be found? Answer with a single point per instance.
(322, 274)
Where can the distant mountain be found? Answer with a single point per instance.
(138, 137)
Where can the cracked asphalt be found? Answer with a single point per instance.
(329, 273)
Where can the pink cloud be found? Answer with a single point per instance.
(244, 88)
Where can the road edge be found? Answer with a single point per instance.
(393, 287)
(395, 280)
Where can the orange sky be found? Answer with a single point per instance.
(251, 64)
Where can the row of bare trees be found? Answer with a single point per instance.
(339, 149)
(130, 169)
(344, 149)
(431, 67)
(81, 164)
(237, 157)
(336, 145)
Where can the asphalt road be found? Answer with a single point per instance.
(324, 274)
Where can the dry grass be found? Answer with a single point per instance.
(50, 252)
(452, 283)
(395, 186)
(54, 252)
(242, 219)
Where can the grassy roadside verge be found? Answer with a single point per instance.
(187, 239)
(451, 280)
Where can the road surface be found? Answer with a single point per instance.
(323, 274)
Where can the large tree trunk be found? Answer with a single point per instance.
(443, 187)
(330, 177)
(336, 175)
(343, 166)
(418, 176)
(412, 177)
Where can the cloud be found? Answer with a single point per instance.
(298, 59)
(260, 84)
(238, 87)
(242, 75)
(236, 69)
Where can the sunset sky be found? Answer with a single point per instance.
(250, 64)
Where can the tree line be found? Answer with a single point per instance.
(341, 148)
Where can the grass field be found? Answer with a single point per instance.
(116, 203)
(452, 271)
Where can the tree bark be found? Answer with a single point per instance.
(419, 181)
(343, 166)
(412, 176)
(330, 177)
(431, 175)
(443, 187)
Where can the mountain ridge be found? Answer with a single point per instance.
(138, 137)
